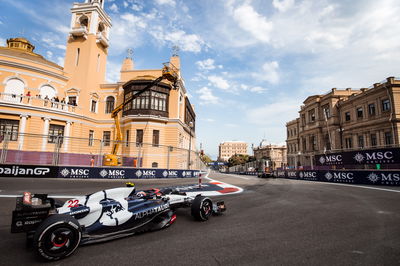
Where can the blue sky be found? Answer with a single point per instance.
(248, 65)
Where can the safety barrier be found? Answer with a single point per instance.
(40, 171)
(367, 177)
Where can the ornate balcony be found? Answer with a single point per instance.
(36, 102)
(102, 39)
(79, 32)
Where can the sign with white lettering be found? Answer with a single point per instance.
(378, 156)
(370, 177)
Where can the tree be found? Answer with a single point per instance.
(238, 159)
(206, 159)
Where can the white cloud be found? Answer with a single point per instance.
(132, 19)
(283, 5)
(125, 4)
(60, 61)
(186, 42)
(113, 71)
(51, 42)
(219, 82)
(268, 72)
(3, 42)
(206, 96)
(208, 119)
(49, 55)
(254, 23)
(114, 8)
(207, 64)
(166, 2)
(256, 89)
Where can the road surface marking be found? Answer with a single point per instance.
(349, 185)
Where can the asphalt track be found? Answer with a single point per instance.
(273, 222)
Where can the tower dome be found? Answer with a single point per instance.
(20, 43)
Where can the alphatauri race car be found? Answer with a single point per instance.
(56, 229)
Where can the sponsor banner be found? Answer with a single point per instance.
(92, 172)
(378, 156)
(10, 170)
(369, 177)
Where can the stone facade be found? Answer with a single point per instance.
(344, 120)
(276, 154)
(28, 82)
(229, 148)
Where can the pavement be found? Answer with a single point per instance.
(271, 222)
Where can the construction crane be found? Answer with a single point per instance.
(170, 73)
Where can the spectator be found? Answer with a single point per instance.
(92, 161)
(28, 94)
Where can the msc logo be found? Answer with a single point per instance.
(308, 174)
(328, 176)
(373, 177)
(330, 159)
(112, 173)
(78, 172)
(380, 155)
(343, 176)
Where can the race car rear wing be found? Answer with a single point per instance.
(30, 211)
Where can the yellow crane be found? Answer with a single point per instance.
(169, 73)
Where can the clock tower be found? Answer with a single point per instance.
(86, 53)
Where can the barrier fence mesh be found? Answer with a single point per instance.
(19, 148)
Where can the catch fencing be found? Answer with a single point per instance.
(36, 149)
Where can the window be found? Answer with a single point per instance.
(326, 111)
(56, 132)
(347, 116)
(109, 104)
(303, 119)
(361, 141)
(72, 100)
(371, 109)
(327, 142)
(158, 101)
(139, 137)
(156, 137)
(388, 138)
(91, 136)
(313, 143)
(78, 51)
(373, 140)
(359, 112)
(349, 143)
(93, 106)
(311, 115)
(107, 138)
(127, 138)
(154, 165)
(13, 88)
(385, 105)
(10, 126)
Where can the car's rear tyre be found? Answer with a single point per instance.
(201, 208)
(57, 237)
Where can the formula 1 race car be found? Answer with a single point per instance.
(56, 229)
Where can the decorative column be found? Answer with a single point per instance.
(66, 135)
(22, 127)
(45, 132)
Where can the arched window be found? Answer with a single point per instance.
(47, 90)
(14, 87)
(109, 104)
(101, 27)
(84, 21)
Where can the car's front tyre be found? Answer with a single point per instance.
(202, 208)
(57, 237)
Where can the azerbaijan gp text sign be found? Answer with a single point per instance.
(370, 177)
(92, 172)
(378, 156)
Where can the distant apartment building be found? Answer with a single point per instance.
(276, 154)
(344, 120)
(229, 148)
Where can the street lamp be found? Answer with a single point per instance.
(190, 142)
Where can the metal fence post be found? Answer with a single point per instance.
(5, 147)
(100, 159)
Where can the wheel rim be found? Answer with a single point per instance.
(206, 208)
(59, 242)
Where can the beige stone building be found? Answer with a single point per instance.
(42, 103)
(344, 120)
(276, 154)
(229, 148)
